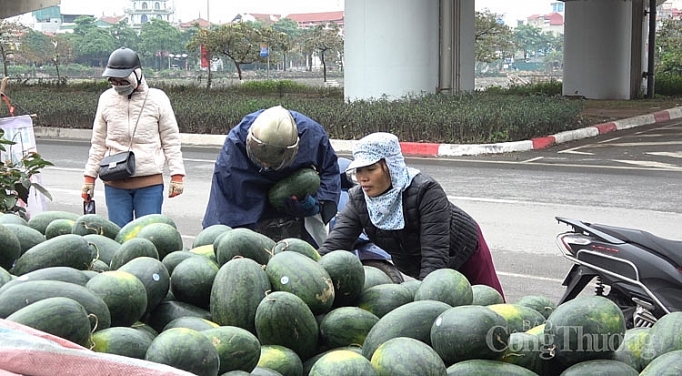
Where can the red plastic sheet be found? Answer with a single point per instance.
(26, 351)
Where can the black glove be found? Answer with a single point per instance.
(305, 207)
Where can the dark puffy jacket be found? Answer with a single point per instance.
(437, 233)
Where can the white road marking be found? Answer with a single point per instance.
(531, 160)
(529, 276)
(574, 151)
(674, 154)
(655, 164)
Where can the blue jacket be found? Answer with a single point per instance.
(238, 196)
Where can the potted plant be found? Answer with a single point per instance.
(15, 178)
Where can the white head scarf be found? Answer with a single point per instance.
(385, 211)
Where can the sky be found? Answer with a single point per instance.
(224, 10)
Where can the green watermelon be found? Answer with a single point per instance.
(153, 275)
(10, 247)
(238, 288)
(166, 237)
(585, 328)
(133, 228)
(242, 242)
(598, 367)
(469, 332)
(281, 359)
(305, 181)
(28, 237)
(20, 295)
(95, 224)
(124, 294)
(59, 227)
(666, 334)
(374, 276)
(487, 367)
(539, 303)
(296, 245)
(347, 275)
(284, 319)
(169, 310)
(446, 285)
(298, 274)
(412, 285)
(41, 220)
(636, 350)
(382, 299)
(59, 316)
(133, 248)
(191, 322)
(210, 234)
(192, 281)
(412, 320)
(668, 364)
(185, 349)
(529, 350)
(519, 318)
(120, 340)
(403, 356)
(485, 295)
(342, 362)
(346, 326)
(238, 349)
(65, 250)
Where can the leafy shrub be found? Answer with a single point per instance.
(15, 178)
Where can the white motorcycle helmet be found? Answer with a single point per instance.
(272, 142)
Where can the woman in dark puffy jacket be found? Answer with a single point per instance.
(408, 214)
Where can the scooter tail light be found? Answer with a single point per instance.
(570, 241)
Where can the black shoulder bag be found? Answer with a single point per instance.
(121, 165)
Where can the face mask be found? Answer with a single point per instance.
(124, 89)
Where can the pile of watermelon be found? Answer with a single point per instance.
(239, 303)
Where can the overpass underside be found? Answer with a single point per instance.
(395, 49)
(11, 8)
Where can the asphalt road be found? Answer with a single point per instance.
(628, 178)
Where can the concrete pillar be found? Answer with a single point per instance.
(457, 60)
(391, 48)
(599, 49)
(11, 8)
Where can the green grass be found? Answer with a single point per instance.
(494, 115)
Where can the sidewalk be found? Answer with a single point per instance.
(425, 149)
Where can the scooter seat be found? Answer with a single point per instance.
(670, 249)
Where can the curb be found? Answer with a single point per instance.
(419, 149)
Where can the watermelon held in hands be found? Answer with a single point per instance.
(305, 181)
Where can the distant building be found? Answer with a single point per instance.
(307, 20)
(143, 11)
(265, 19)
(670, 10)
(47, 20)
(551, 22)
(202, 23)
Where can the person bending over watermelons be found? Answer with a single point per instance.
(408, 214)
(266, 147)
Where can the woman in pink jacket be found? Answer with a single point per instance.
(132, 115)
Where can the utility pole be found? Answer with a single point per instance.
(652, 50)
(208, 20)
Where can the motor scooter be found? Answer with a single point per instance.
(639, 271)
